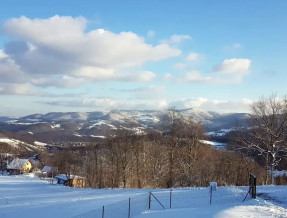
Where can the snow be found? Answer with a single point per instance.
(65, 177)
(99, 123)
(32, 120)
(16, 122)
(28, 196)
(135, 130)
(55, 126)
(217, 145)
(15, 143)
(221, 132)
(12, 142)
(47, 169)
(40, 143)
(98, 136)
(147, 118)
(17, 164)
(227, 202)
(78, 135)
(280, 173)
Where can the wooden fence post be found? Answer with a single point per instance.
(210, 195)
(129, 213)
(254, 188)
(149, 199)
(170, 195)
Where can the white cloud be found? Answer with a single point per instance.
(176, 39)
(192, 56)
(168, 76)
(237, 46)
(202, 104)
(150, 34)
(9, 70)
(49, 31)
(161, 104)
(230, 71)
(180, 66)
(235, 66)
(142, 76)
(3, 55)
(110, 103)
(18, 89)
(151, 92)
(195, 76)
(222, 106)
(179, 38)
(58, 49)
(149, 89)
(233, 47)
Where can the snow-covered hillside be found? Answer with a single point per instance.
(17, 144)
(81, 127)
(25, 196)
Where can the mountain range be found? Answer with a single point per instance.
(57, 128)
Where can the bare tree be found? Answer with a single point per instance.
(266, 135)
(190, 134)
(68, 163)
(172, 124)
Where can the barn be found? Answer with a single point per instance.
(71, 180)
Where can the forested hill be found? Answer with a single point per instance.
(77, 126)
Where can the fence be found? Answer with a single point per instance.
(195, 197)
(252, 187)
(49, 180)
(125, 208)
(173, 198)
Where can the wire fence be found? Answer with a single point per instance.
(173, 198)
(194, 198)
(49, 180)
(125, 208)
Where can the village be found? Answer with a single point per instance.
(12, 165)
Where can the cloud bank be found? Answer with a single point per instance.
(230, 71)
(222, 106)
(59, 52)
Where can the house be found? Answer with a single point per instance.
(35, 162)
(49, 171)
(72, 180)
(19, 166)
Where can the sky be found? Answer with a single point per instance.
(59, 56)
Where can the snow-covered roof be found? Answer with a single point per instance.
(48, 169)
(17, 164)
(64, 177)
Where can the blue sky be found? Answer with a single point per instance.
(96, 55)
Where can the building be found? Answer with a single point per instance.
(72, 180)
(49, 171)
(19, 166)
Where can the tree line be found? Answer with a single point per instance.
(173, 157)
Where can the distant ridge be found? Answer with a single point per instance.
(87, 126)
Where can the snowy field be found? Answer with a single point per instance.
(28, 196)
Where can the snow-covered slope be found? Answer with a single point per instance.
(79, 127)
(17, 144)
(28, 197)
